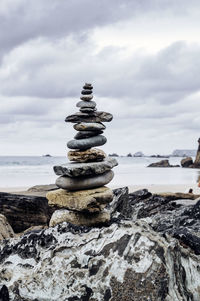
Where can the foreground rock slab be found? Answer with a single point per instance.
(110, 263)
(24, 211)
(85, 169)
(92, 200)
(79, 219)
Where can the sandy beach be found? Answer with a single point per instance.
(154, 188)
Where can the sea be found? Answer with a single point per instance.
(26, 171)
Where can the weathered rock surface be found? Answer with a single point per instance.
(85, 169)
(89, 155)
(83, 144)
(42, 188)
(162, 163)
(93, 126)
(187, 162)
(23, 212)
(4, 294)
(124, 261)
(86, 104)
(84, 182)
(79, 219)
(92, 200)
(87, 134)
(95, 117)
(6, 230)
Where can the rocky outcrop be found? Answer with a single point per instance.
(197, 159)
(162, 163)
(23, 212)
(187, 162)
(148, 250)
(6, 230)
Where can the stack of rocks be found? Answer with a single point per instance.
(82, 196)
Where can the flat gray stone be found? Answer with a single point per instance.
(84, 182)
(85, 169)
(87, 143)
(86, 104)
(87, 134)
(84, 117)
(93, 126)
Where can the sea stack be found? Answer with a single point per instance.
(82, 194)
(197, 159)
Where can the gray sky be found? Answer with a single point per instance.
(143, 58)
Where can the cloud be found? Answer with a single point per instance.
(49, 49)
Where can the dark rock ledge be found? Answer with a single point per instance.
(149, 251)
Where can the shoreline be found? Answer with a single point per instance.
(154, 188)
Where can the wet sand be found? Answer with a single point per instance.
(154, 188)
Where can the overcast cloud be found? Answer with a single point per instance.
(143, 58)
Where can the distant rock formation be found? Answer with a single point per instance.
(188, 162)
(138, 154)
(113, 155)
(162, 163)
(197, 159)
(183, 153)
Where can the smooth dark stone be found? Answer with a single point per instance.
(80, 183)
(87, 87)
(85, 169)
(87, 110)
(89, 126)
(86, 97)
(84, 117)
(87, 134)
(86, 104)
(87, 143)
(86, 92)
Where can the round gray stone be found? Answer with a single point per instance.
(87, 134)
(80, 183)
(85, 169)
(86, 97)
(86, 104)
(93, 126)
(88, 87)
(87, 143)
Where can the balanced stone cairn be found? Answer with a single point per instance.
(82, 196)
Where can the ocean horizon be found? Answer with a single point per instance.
(27, 171)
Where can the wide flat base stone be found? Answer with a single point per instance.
(92, 200)
(85, 169)
(79, 219)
